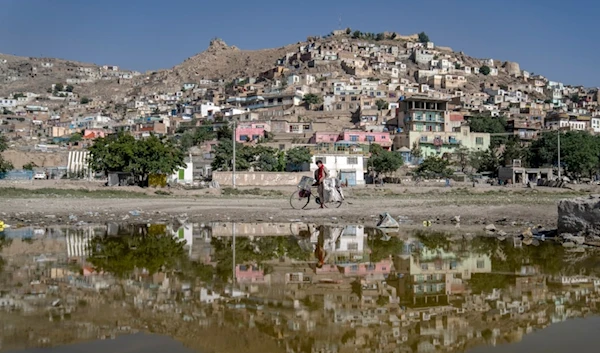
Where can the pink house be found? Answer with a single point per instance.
(251, 131)
(249, 274)
(358, 136)
(382, 267)
(324, 137)
(368, 137)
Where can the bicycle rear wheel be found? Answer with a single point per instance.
(298, 200)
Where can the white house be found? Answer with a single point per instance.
(595, 123)
(348, 168)
(8, 103)
(185, 233)
(184, 175)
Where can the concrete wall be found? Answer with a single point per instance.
(259, 178)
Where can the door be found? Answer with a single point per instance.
(350, 177)
(181, 174)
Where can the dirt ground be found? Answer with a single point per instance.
(511, 207)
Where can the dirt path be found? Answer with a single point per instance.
(247, 209)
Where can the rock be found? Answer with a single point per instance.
(456, 219)
(502, 233)
(387, 221)
(579, 240)
(527, 233)
(490, 228)
(569, 244)
(579, 216)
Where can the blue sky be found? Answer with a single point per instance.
(547, 37)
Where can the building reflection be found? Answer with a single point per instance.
(406, 292)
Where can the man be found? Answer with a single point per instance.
(320, 175)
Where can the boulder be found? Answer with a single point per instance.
(579, 216)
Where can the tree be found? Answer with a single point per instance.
(311, 100)
(4, 164)
(297, 156)
(76, 137)
(84, 100)
(123, 254)
(485, 161)
(385, 161)
(356, 34)
(69, 88)
(30, 166)
(143, 157)
(423, 37)
(580, 152)
(462, 158)
(348, 30)
(379, 36)
(490, 125)
(224, 133)
(393, 36)
(513, 150)
(382, 104)
(58, 87)
(435, 166)
(485, 70)
(224, 156)
(415, 151)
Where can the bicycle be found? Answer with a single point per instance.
(301, 198)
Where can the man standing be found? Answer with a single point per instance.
(320, 175)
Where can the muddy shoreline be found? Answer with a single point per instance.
(64, 211)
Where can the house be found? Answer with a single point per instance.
(367, 137)
(437, 143)
(185, 175)
(525, 129)
(420, 113)
(567, 121)
(246, 132)
(348, 168)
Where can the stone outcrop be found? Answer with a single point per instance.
(580, 216)
(512, 68)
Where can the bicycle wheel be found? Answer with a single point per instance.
(297, 201)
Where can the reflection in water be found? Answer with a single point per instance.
(285, 287)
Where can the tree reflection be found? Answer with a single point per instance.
(4, 241)
(383, 245)
(121, 255)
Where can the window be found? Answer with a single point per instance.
(352, 160)
(353, 246)
(370, 138)
(424, 267)
(243, 137)
(479, 140)
(354, 138)
(480, 264)
(323, 159)
(453, 265)
(354, 268)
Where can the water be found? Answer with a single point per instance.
(291, 288)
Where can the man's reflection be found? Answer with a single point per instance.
(323, 239)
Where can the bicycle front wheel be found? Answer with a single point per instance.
(298, 201)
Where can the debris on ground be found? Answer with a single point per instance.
(579, 215)
(387, 221)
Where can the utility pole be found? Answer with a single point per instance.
(233, 279)
(559, 154)
(233, 166)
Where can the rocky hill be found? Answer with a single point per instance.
(218, 61)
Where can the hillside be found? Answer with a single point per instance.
(218, 61)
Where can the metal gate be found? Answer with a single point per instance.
(349, 176)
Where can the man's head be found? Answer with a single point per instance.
(319, 264)
(319, 163)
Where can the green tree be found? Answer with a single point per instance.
(382, 104)
(381, 248)
(18, 95)
(84, 100)
(380, 36)
(224, 156)
(123, 254)
(423, 37)
(580, 152)
(435, 166)
(69, 88)
(224, 133)
(312, 100)
(490, 125)
(416, 151)
(76, 137)
(348, 30)
(485, 70)
(384, 162)
(30, 166)
(513, 150)
(4, 164)
(297, 156)
(356, 34)
(58, 87)
(485, 161)
(462, 158)
(123, 153)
